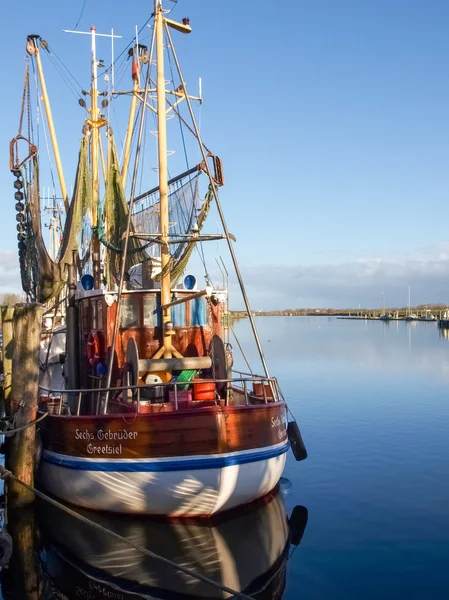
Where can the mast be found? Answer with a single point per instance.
(163, 178)
(217, 202)
(33, 49)
(94, 156)
(132, 114)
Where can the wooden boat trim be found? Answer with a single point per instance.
(193, 432)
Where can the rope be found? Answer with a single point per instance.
(8, 432)
(240, 347)
(24, 97)
(81, 14)
(5, 474)
(199, 246)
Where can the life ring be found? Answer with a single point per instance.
(95, 348)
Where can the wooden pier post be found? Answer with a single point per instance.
(27, 324)
(7, 329)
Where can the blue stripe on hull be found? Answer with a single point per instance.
(122, 466)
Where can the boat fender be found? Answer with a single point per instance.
(296, 442)
(285, 486)
(5, 548)
(95, 348)
(297, 524)
(38, 449)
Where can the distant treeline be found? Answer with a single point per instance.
(420, 309)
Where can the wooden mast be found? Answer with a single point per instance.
(33, 49)
(132, 115)
(94, 156)
(163, 180)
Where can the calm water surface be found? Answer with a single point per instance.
(372, 401)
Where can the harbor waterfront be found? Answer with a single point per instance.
(369, 505)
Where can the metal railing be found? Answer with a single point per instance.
(252, 387)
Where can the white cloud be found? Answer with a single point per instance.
(9, 272)
(351, 283)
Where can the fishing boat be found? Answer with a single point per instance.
(145, 410)
(428, 316)
(443, 321)
(78, 560)
(386, 317)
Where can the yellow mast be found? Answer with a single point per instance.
(163, 179)
(33, 49)
(95, 135)
(132, 114)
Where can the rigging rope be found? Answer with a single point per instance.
(199, 247)
(63, 76)
(50, 162)
(128, 46)
(9, 432)
(81, 14)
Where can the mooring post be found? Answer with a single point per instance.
(7, 329)
(27, 324)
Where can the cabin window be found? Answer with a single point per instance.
(198, 312)
(150, 312)
(130, 313)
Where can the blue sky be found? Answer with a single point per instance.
(331, 117)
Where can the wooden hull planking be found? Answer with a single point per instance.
(180, 463)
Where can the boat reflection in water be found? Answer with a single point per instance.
(444, 333)
(246, 551)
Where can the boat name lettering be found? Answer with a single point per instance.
(281, 424)
(278, 421)
(121, 434)
(84, 435)
(96, 591)
(91, 449)
(101, 435)
(105, 593)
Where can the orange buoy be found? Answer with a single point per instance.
(95, 348)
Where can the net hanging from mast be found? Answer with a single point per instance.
(186, 214)
(42, 277)
(112, 224)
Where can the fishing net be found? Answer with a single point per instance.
(112, 226)
(42, 277)
(184, 217)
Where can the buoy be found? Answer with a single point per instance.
(295, 439)
(297, 524)
(5, 548)
(95, 348)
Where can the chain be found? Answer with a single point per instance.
(28, 103)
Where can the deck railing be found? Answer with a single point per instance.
(252, 387)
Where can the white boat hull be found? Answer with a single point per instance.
(178, 486)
